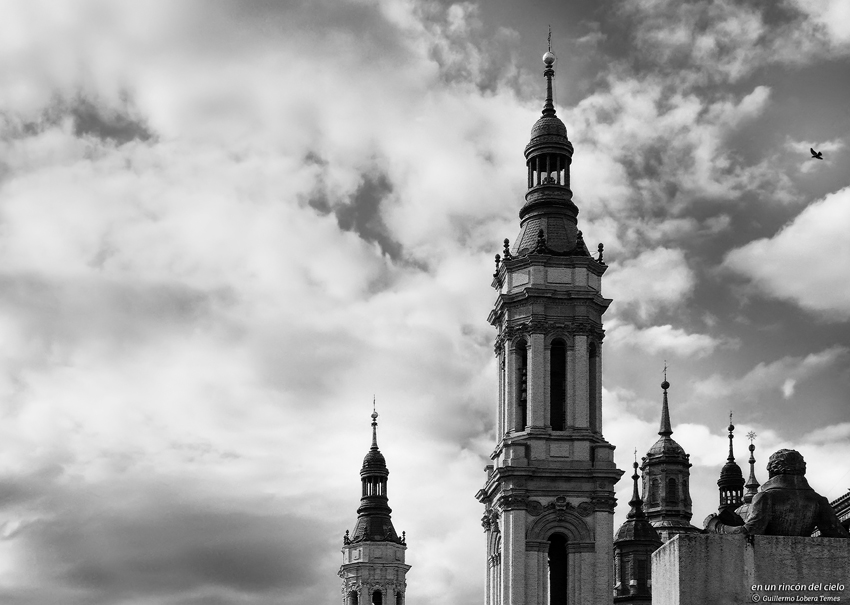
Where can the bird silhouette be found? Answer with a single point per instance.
(816, 155)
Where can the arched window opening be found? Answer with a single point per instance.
(642, 574)
(557, 570)
(398, 599)
(558, 385)
(653, 492)
(672, 491)
(522, 386)
(352, 598)
(593, 386)
(377, 598)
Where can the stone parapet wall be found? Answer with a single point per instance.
(721, 569)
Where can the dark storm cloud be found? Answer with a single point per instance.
(361, 213)
(72, 310)
(171, 547)
(90, 117)
(107, 124)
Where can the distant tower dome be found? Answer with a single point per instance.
(731, 482)
(373, 568)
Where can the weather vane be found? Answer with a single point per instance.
(665, 369)
(550, 38)
(751, 435)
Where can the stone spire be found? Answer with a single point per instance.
(665, 430)
(636, 503)
(752, 483)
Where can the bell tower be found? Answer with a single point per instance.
(549, 494)
(373, 569)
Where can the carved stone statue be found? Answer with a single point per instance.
(784, 506)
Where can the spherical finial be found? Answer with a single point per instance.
(374, 415)
(665, 385)
(549, 58)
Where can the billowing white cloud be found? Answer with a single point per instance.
(807, 262)
(661, 339)
(656, 279)
(832, 16)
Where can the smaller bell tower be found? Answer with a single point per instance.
(373, 569)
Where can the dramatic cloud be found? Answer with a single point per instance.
(225, 227)
(660, 339)
(655, 280)
(807, 261)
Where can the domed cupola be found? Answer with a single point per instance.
(373, 515)
(731, 482)
(548, 221)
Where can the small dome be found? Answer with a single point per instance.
(374, 460)
(636, 529)
(549, 59)
(731, 470)
(666, 446)
(548, 125)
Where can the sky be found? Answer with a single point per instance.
(225, 226)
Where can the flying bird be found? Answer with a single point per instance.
(816, 155)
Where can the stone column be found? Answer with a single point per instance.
(510, 402)
(603, 523)
(580, 380)
(536, 381)
(513, 548)
(571, 387)
(500, 416)
(535, 572)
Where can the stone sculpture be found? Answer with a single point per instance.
(784, 506)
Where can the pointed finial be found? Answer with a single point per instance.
(498, 260)
(600, 248)
(752, 484)
(404, 537)
(374, 425)
(636, 503)
(507, 249)
(541, 242)
(731, 428)
(549, 72)
(666, 429)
